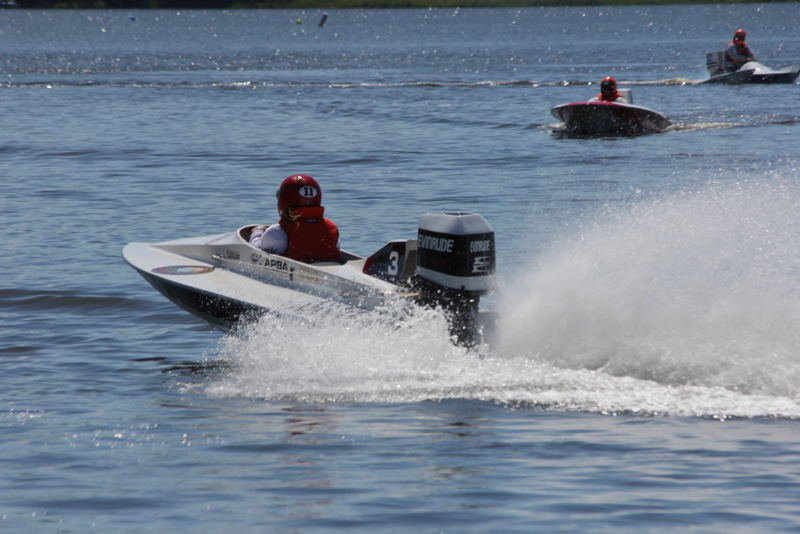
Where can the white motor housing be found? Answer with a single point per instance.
(456, 251)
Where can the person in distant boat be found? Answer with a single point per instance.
(302, 233)
(608, 91)
(737, 53)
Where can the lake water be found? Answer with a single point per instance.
(646, 374)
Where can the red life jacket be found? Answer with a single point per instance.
(611, 98)
(311, 236)
(742, 48)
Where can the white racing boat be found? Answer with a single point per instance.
(764, 74)
(224, 280)
(595, 117)
(750, 72)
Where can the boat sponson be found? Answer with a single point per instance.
(221, 311)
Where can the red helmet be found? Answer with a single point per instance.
(739, 35)
(298, 190)
(608, 83)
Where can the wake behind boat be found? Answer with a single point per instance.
(595, 117)
(224, 280)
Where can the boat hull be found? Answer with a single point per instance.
(764, 74)
(223, 280)
(731, 78)
(609, 118)
(226, 281)
(217, 310)
(750, 72)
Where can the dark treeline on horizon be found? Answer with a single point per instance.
(336, 4)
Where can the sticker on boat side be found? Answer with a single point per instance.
(271, 263)
(183, 269)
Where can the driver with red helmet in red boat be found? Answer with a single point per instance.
(608, 91)
(302, 234)
(737, 53)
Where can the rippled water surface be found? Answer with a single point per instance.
(644, 373)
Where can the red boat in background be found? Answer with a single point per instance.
(596, 118)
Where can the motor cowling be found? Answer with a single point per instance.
(456, 251)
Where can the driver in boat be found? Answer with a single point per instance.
(737, 52)
(608, 91)
(302, 234)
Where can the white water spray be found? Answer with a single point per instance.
(340, 354)
(700, 288)
(686, 305)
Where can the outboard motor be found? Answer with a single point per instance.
(455, 265)
(715, 63)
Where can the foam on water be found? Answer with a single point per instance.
(684, 305)
(402, 353)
